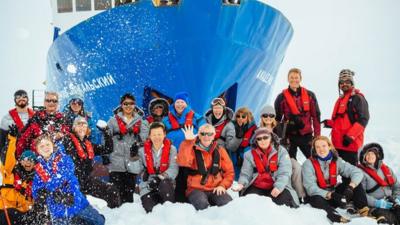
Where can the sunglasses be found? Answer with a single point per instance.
(268, 115)
(128, 103)
(76, 103)
(243, 116)
(21, 96)
(158, 107)
(51, 100)
(206, 134)
(218, 101)
(263, 138)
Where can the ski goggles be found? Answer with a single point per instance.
(218, 101)
(266, 137)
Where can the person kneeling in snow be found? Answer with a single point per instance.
(267, 170)
(320, 173)
(156, 161)
(211, 169)
(56, 187)
(380, 183)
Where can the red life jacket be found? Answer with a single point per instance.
(150, 119)
(247, 135)
(148, 154)
(174, 122)
(42, 172)
(17, 120)
(386, 172)
(342, 125)
(219, 128)
(320, 175)
(262, 160)
(24, 187)
(305, 100)
(79, 150)
(122, 126)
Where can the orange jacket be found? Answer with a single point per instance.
(186, 158)
(9, 197)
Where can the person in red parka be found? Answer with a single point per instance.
(349, 118)
(298, 107)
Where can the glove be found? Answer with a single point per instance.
(298, 122)
(339, 199)
(42, 196)
(347, 140)
(134, 149)
(239, 131)
(325, 122)
(102, 125)
(105, 159)
(348, 193)
(154, 182)
(383, 204)
(13, 130)
(63, 198)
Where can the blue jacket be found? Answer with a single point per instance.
(177, 136)
(63, 179)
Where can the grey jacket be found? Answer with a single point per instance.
(343, 168)
(121, 148)
(227, 130)
(389, 191)
(138, 165)
(282, 177)
(7, 120)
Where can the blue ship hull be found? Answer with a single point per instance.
(202, 47)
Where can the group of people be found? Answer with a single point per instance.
(175, 154)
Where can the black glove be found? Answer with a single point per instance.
(105, 159)
(154, 182)
(239, 131)
(42, 196)
(298, 122)
(325, 122)
(134, 149)
(13, 130)
(338, 199)
(348, 193)
(63, 198)
(347, 140)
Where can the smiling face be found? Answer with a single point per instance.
(345, 85)
(180, 105)
(76, 106)
(45, 148)
(370, 157)
(21, 101)
(294, 80)
(218, 111)
(127, 106)
(27, 164)
(263, 141)
(206, 135)
(51, 103)
(322, 148)
(157, 136)
(81, 129)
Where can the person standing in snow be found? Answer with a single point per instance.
(320, 173)
(349, 118)
(47, 120)
(156, 162)
(158, 109)
(219, 116)
(18, 116)
(82, 151)
(211, 169)
(267, 170)
(181, 114)
(298, 107)
(129, 131)
(381, 184)
(56, 187)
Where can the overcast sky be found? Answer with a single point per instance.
(329, 35)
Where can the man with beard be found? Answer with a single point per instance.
(17, 116)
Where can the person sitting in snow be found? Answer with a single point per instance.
(158, 109)
(267, 170)
(15, 184)
(219, 116)
(56, 187)
(381, 184)
(320, 174)
(82, 151)
(156, 162)
(211, 169)
(180, 115)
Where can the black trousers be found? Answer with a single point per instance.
(16, 217)
(203, 199)
(99, 189)
(392, 216)
(284, 198)
(125, 183)
(350, 157)
(181, 184)
(164, 193)
(359, 199)
(300, 141)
